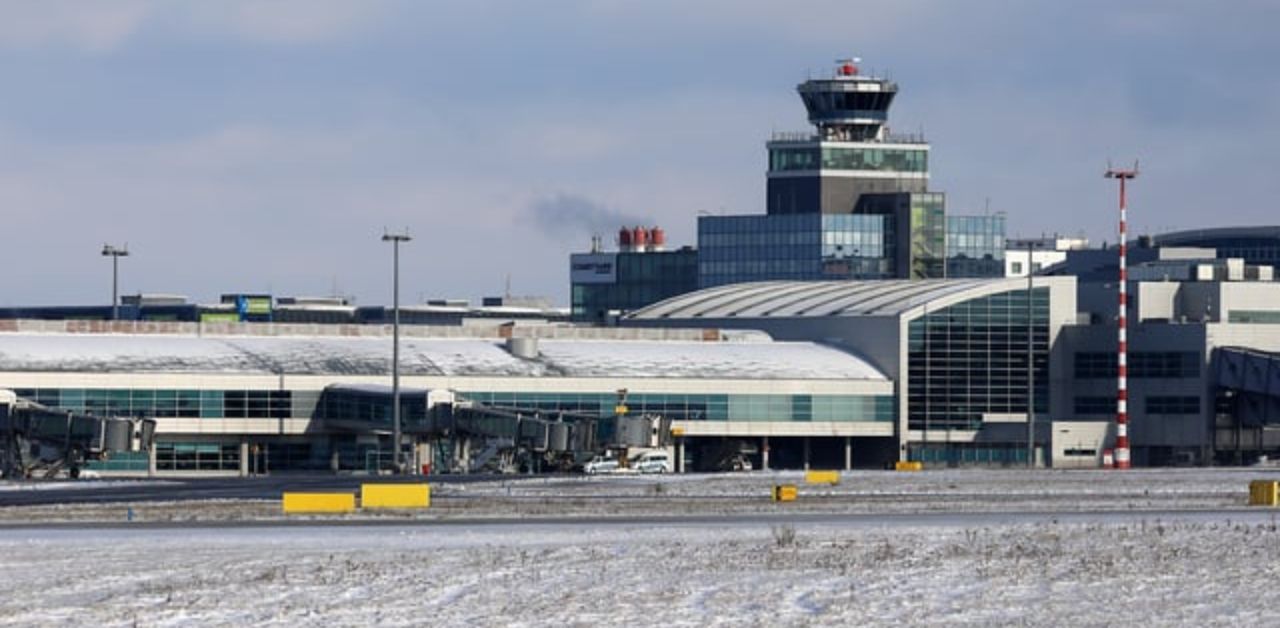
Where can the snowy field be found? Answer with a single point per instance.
(1198, 571)
(977, 548)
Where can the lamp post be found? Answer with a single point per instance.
(115, 254)
(395, 239)
(1031, 369)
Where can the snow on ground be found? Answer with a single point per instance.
(859, 492)
(1149, 572)
(53, 485)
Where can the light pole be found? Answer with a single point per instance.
(395, 239)
(1031, 370)
(115, 254)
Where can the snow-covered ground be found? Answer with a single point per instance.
(953, 547)
(859, 492)
(1208, 570)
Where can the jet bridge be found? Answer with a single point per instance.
(36, 440)
(463, 436)
(1246, 421)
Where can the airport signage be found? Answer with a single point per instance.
(593, 268)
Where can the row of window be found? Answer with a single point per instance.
(848, 158)
(1142, 364)
(969, 453)
(1254, 316)
(1095, 405)
(375, 408)
(707, 407)
(173, 403)
(976, 224)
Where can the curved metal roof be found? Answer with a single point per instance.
(812, 299)
(475, 357)
(1191, 236)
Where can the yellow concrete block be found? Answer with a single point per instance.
(1264, 493)
(295, 503)
(395, 496)
(784, 493)
(822, 477)
(903, 465)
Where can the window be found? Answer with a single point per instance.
(1080, 452)
(1017, 268)
(970, 359)
(1173, 404)
(1142, 364)
(1095, 405)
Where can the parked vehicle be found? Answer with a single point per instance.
(652, 462)
(600, 464)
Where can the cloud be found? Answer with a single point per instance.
(284, 21)
(86, 26)
(101, 27)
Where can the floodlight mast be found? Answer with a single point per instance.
(115, 254)
(1122, 345)
(395, 239)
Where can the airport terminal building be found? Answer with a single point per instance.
(964, 354)
(254, 397)
(787, 374)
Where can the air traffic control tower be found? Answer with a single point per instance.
(852, 152)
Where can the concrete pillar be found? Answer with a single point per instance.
(764, 453)
(244, 459)
(151, 460)
(848, 453)
(806, 453)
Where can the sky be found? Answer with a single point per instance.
(266, 146)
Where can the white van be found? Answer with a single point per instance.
(652, 462)
(600, 464)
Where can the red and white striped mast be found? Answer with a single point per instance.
(1122, 347)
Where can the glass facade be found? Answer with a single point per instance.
(863, 245)
(970, 359)
(685, 407)
(975, 246)
(734, 249)
(980, 454)
(372, 407)
(928, 239)
(865, 158)
(147, 402)
(639, 279)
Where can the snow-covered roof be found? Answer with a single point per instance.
(480, 357)
(810, 299)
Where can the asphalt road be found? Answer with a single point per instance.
(179, 489)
